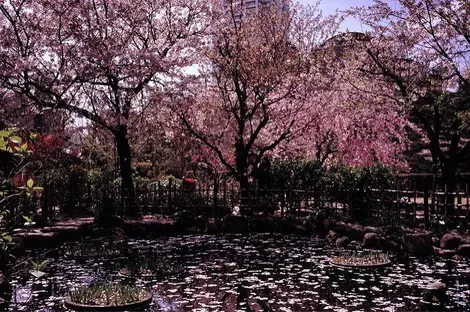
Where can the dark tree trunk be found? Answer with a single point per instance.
(241, 158)
(128, 195)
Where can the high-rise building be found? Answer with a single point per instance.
(243, 7)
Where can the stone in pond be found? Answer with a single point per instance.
(435, 292)
(464, 250)
(342, 242)
(444, 253)
(452, 240)
(418, 243)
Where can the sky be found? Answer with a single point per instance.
(329, 6)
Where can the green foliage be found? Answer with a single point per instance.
(340, 184)
(297, 174)
(165, 181)
(15, 149)
(12, 142)
(300, 174)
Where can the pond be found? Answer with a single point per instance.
(243, 273)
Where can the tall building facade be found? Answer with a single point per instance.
(246, 6)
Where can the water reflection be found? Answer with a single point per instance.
(255, 273)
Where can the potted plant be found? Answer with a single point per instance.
(105, 296)
(363, 260)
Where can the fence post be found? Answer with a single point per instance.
(283, 202)
(397, 198)
(289, 199)
(414, 202)
(160, 196)
(225, 197)
(445, 199)
(215, 193)
(459, 203)
(467, 205)
(170, 183)
(426, 208)
(46, 213)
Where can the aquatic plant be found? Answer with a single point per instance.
(149, 266)
(107, 294)
(38, 267)
(354, 259)
(88, 250)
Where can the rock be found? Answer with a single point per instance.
(353, 231)
(444, 253)
(342, 242)
(3, 304)
(370, 240)
(185, 220)
(202, 221)
(235, 224)
(435, 292)
(355, 245)
(292, 227)
(66, 232)
(211, 228)
(263, 225)
(357, 232)
(328, 224)
(418, 244)
(38, 239)
(135, 229)
(375, 241)
(457, 258)
(4, 286)
(332, 236)
(371, 229)
(464, 250)
(453, 240)
(386, 244)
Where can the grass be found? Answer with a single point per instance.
(107, 294)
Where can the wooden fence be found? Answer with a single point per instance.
(411, 200)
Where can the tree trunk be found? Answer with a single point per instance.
(242, 171)
(245, 194)
(128, 196)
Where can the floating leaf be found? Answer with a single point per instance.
(37, 274)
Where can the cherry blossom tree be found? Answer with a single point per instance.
(358, 124)
(255, 79)
(421, 48)
(98, 59)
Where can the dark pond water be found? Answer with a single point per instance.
(245, 273)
